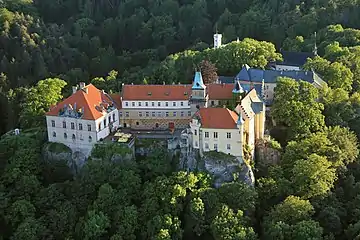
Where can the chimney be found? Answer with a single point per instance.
(163, 83)
(86, 90)
(74, 89)
(82, 85)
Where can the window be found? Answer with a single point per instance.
(139, 104)
(81, 137)
(212, 103)
(65, 135)
(99, 126)
(159, 114)
(215, 135)
(153, 104)
(167, 114)
(174, 114)
(166, 104)
(182, 114)
(90, 139)
(153, 114)
(52, 123)
(137, 123)
(64, 124)
(126, 104)
(140, 114)
(195, 132)
(54, 134)
(147, 114)
(206, 134)
(89, 127)
(181, 103)
(72, 125)
(127, 114)
(228, 146)
(206, 146)
(114, 117)
(80, 126)
(267, 86)
(189, 113)
(159, 104)
(109, 119)
(120, 113)
(174, 104)
(228, 135)
(73, 137)
(196, 143)
(133, 104)
(104, 123)
(146, 104)
(215, 147)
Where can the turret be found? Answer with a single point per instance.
(198, 93)
(240, 125)
(237, 93)
(217, 40)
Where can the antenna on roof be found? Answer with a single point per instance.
(216, 28)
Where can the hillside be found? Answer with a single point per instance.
(312, 189)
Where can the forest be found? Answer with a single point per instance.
(313, 192)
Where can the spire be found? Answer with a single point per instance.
(238, 88)
(315, 47)
(198, 81)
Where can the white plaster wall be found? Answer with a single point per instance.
(222, 141)
(129, 104)
(104, 131)
(81, 136)
(286, 68)
(194, 125)
(269, 91)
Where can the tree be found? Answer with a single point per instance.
(231, 225)
(313, 176)
(208, 72)
(291, 219)
(95, 225)
(39, 99)
(296, 107)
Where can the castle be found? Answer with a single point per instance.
(90, 115)
(222, 116)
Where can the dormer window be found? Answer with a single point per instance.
(64, 124)
(185, 93)
(149, 93)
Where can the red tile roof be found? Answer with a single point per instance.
(156, 92)
(220, 118)
(89, 101)
(220, 91)
(117, 99)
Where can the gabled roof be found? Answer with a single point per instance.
(220, 91)
(156, 92)
(271, 76)
(297, 59)
(86, 102)
(218, 118)
(250, 105)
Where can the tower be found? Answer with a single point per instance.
(217, 40)
(237, 93)
(198, 93)
(315, 47)
(240, 126)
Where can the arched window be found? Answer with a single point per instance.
(54, 134)
(73, 137)
(90, 139)
(65, 135)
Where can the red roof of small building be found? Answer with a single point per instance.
(220, 91)
(156, 92)
(87, 100)
(220, 118)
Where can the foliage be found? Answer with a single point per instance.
(296, 106)
(208, 72)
